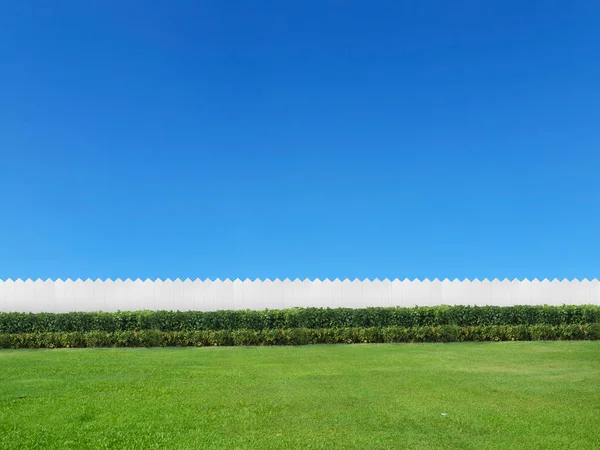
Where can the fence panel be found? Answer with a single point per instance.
(211, 295)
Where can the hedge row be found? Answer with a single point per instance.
(298, 318)
(302, 336)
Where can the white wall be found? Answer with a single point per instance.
(207, 295)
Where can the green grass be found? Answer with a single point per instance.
(542, 395)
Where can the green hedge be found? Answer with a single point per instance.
(298, 318)
(302, 336)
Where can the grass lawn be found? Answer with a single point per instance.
(543, 395)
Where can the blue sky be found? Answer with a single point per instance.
(299, 139)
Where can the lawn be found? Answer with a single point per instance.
(464, 396)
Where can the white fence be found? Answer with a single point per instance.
(207, 295)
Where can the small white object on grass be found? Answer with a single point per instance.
(443, 414)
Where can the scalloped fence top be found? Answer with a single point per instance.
(313, 280)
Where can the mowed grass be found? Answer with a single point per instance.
(535, 395)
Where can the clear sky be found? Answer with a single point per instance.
(299, 139)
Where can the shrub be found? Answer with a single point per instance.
(312, 318)
(301, 336)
